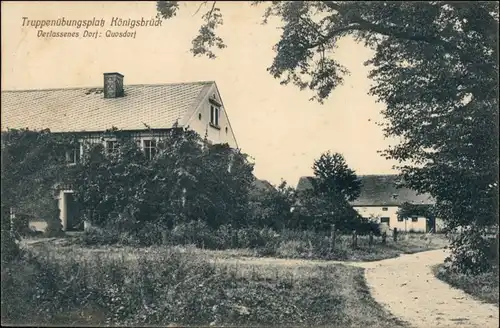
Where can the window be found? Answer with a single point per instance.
(150, 148)
(111, 146)
(384, 209)
(199, 116)
(73, 156)
(214, 115)
(394, 196)
(414, 218)
(385, 220)
(400, 219)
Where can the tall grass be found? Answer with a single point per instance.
(483, 287)
(162, 286)
(266, 242)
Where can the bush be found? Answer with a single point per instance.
(100, 236)
(473, 253)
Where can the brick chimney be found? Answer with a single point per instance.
(113, 85)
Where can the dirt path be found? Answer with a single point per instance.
(408, 289)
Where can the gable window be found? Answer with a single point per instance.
(385, 209)
(150, 148)
(111, 146)
(214, 115)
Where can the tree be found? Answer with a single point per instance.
(222, 193)
(407, 210)
(335, 178)
(273, 208)
(435, 67)
(327, 203)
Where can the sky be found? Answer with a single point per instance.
(277, 125)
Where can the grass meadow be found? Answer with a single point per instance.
(61, 283)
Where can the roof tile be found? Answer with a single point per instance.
(85, 109)
(378, 190)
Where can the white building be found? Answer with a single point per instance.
(145, 111)
(381, 198)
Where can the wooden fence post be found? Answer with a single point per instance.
(332, 237)
(384, 237)
(395, 234)
(354, 239)
(370, 240)
(164, 237)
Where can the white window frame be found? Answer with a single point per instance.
(71, 154)
(214, 115)
(106, 141)
(143, 147)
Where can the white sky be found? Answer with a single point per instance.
(277, 125)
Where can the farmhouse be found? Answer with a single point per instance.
(381, 198)
(144, 111)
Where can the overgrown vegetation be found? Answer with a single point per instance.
(31, 166)
(267, 242)
(166, 287)
(185, 179)
(484, 286)
(206, 189)
(435, 67)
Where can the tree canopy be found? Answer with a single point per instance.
(435, 67)
(334, 178)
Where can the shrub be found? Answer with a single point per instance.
(100, 236)
(473, 253)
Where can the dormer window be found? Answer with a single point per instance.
(394, 196)
(214, 115)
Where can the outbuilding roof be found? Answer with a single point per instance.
(378, 190)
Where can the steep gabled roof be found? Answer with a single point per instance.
(259, 187)
(305, 183)
(85, 109)
(378, 190)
